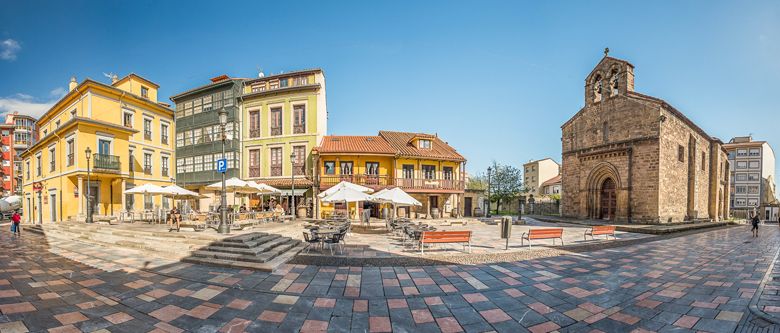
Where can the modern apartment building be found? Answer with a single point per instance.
(118, 132)
(423, 165)
(752, 178)
(199, 136)
(536, 173)
(7, 159)
(25, 135)
(285, 116)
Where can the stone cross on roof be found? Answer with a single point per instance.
(606, 51)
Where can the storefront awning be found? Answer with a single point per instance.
(298, 191)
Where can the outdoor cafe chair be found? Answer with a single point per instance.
(310, 239)
(335, 239)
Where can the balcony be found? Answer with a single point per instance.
(71, 159)
(148, 169)
(164, 139)
(254, 171)
(299, 129)
(299, 169)
(254, 132)
(106, 162)
(276, 170)
(147, 135)
(429, 184)
(276, 131)
(366, 180)
(165, 172)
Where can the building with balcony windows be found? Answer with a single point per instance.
(7, 159)
(25, 134)
(110, 121)
(421, 164)
(752, 178)
(199, 136)
(285, 116)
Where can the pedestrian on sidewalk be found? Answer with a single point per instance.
(16, 219)
(754, 221)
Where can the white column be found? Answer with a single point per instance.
(122, 194)
(82, 193)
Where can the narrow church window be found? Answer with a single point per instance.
(680, 153)
(605, 131)
(613, 83)
(703, 159)
(597, 88)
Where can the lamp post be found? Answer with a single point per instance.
(223, 227)
(487, 212)
(88, 152)
(292, 183)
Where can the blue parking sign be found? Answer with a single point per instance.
(222, 165)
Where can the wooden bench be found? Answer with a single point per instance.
(551, 233)
(600, 230)
(432, 237)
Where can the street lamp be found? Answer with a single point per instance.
(88, 152)
(223, 227)
(292, 183)
(487, 213)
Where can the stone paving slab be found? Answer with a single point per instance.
(699, 282)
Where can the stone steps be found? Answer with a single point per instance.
(257, 250)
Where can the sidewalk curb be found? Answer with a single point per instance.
(753, 306)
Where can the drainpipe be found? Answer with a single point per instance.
(59, 139)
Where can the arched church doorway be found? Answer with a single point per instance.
(608, 199)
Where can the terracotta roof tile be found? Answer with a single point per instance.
(400, 141)
(355, 144)
(553, 180)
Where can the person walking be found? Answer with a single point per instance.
(754, 221)
(174, 219)
(16, 219)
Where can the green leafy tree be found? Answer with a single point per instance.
(506, 183)
(477, 182)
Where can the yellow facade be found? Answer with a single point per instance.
(130, 138)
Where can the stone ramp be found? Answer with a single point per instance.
(256, 250)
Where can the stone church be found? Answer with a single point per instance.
(634, 158)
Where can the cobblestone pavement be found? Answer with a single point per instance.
(700, 282)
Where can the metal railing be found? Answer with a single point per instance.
(148, 169)
(429, 184)
(368, 180)
(254, 132)
(71, 159)
(276, 170)
(164, 139)
(299, 129)
(254, 171)
(147, 135)
(276, 131)
(165, 172)
(299, 169)
(106, 162)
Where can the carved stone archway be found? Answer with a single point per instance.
(603, 184)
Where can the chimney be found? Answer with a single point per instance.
(114, 78)
(72, 85)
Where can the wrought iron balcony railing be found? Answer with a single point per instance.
(276, 131)
(276, 170)
(254, 132)
(106, 162)
(299, 129)
(254, 171)
(71, 159)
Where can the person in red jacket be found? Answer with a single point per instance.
(16, 219)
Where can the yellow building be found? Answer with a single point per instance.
(284, 116)
(421, 164)
(129, 136)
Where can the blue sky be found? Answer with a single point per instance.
(494, 79)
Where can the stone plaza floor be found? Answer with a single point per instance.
(700, 282)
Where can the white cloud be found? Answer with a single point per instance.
(25, 104)
(8, 49)
(58, 92)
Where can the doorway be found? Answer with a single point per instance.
(53, 207)
(93, 198)
(608, 199)
(467, 207)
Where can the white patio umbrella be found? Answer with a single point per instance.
(262, 188)
(346, 195)
(179, 192)
(397, 197)
(147, 188)
(343, 184)
(232, 185)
